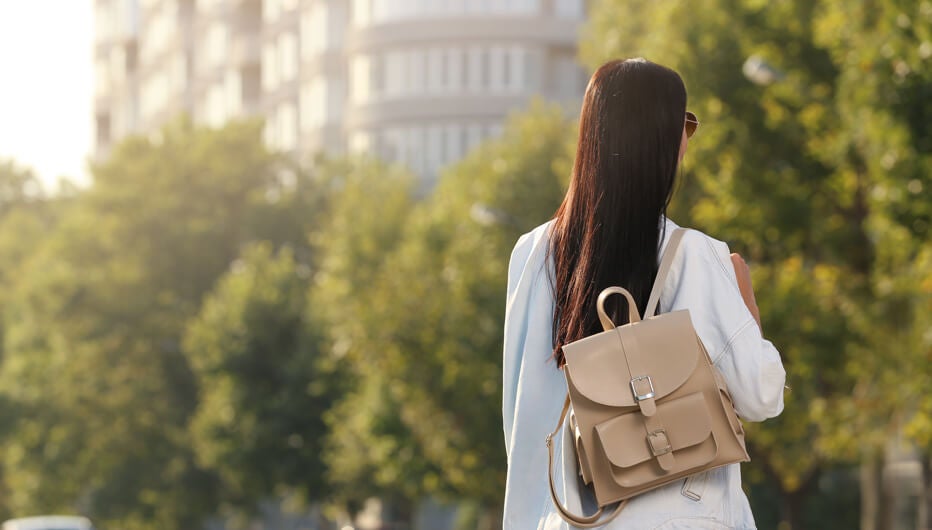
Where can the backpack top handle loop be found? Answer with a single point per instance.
(607, 323)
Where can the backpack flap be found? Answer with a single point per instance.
(680, 440)
(655, 356)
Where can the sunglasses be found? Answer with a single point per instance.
(692, 123)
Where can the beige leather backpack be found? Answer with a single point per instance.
(648, 407)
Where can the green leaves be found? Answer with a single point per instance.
(419, 316)
(263, 387)
(92, 348)
(816, 173)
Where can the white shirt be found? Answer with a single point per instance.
(701, 279)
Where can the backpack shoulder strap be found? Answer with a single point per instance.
(662, 271)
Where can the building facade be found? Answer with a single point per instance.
(419, 82)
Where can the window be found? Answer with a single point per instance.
(313, 104)
(473, 136)
(517, 67)
(159, 32)
(395, 73)
(270, 10)
(453, 69)
(251, 86)
(362, 78)
(336, 18)
(413, 150)
(314, 30)
(269, 67)
(217, 45)
(288, 48)
(103, 22)
(475, 68)
(477, 6)
(434, 75)
(393, 139)
(528, 6)
(360, 142)
(103, 129)
(288, 123)
(270, 133)
(179, 74)
(206, 6)
(216, 110)
(453, 144)
(380, 11)
(154, 95)
(434, 149)
(101, 77)
(233, 93)
(570, 9)
(496, 68)
(335, 99)
(417, 71)
(417, 141)
(533, 70)
(117, 61)
(569, 80)
(362, 12)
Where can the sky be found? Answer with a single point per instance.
(46, 86)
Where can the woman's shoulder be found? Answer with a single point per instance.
(698, 247)
(539, 234)
(524, 248)
(528, 256)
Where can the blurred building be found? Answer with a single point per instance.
(414, 81)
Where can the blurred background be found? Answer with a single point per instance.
(253, 253)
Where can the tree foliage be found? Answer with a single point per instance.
(811, 160)
(263, 393)
(92, 353)
(428, 330)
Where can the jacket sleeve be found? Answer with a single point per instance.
(705, 283)
(514, 335)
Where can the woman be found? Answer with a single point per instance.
(611, 230)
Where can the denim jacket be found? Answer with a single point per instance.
(702, 279)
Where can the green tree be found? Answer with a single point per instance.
(18, 186)
(370, 452)
(92, 352)
(259, 421)
(813, 149)
(433, 314)
(26, 217)
(22, 224)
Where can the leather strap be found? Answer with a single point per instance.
(662, 271)
(580, 521)
(607, 323)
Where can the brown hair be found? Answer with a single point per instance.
(608, 228)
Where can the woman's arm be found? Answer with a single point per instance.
(743, 273)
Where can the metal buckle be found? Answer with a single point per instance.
(634, 390)
(654, 435)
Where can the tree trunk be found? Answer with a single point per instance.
(491, 519)
(924, 502)
(887, 499)
(793, 503)
(870, 494)
(877, 496)
(791, 511)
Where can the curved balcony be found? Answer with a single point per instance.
(530, 29)
(420, 109)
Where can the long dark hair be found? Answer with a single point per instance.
(608, 229)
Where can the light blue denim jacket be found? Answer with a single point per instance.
(702, 279)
